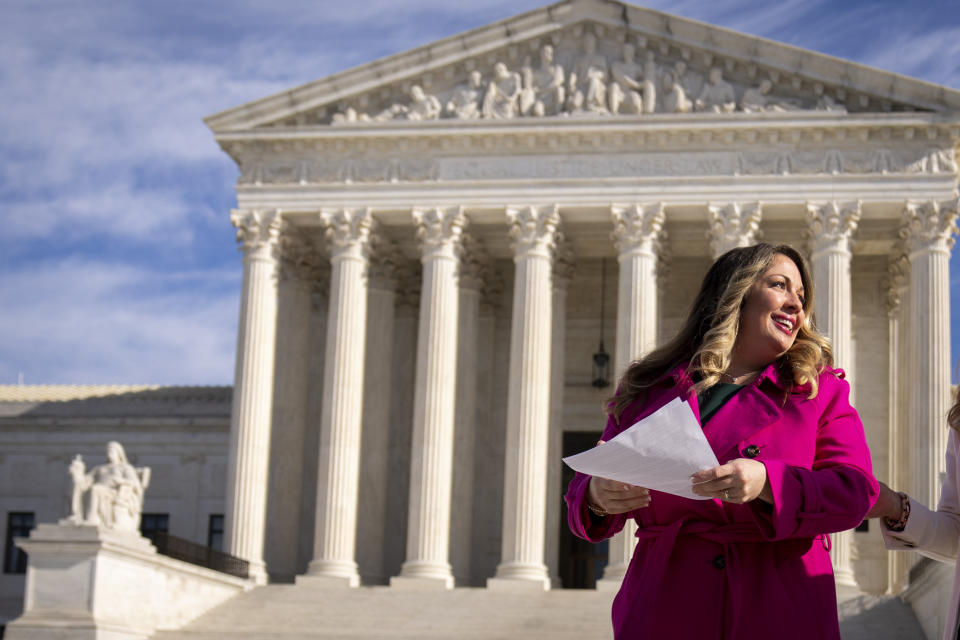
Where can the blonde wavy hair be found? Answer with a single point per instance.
(706, 339)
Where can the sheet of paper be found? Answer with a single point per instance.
(659, 452)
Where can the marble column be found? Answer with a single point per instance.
(928, 230)
(637, 233)
(431, 464)
(831, 227)
(898, 465)
(528, 402)
(563, 268)
(348, 232)
(733, 225)
(372, 527)
(300, 267)
(474, 272)
(250, 417)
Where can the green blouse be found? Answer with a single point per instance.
(710, 400)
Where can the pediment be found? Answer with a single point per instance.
(609, 59)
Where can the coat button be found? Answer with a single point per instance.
(752, 451)
(719, 562)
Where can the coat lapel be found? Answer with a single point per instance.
(746, 413)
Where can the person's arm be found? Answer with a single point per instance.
(836, 493)
(597, 508)
(933, 533)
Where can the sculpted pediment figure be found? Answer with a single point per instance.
(717, 95)
(503, 92)
(467, 99)
(588, 82)
(548, 84)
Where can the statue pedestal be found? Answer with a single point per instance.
(89, 583)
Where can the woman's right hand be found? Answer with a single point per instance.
(887, 504)
(613, 496)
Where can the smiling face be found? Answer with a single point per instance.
(771, 315)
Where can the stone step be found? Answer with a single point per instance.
(309, 611)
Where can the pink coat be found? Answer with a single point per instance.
(707, 569)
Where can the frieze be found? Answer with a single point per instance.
(613, 165)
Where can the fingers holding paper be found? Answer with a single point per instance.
(739, 481)
(614, 496)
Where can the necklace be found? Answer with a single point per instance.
(737, 379)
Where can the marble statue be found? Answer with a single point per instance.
(757, 99)
(422, 106)
(826, 103)
(548, 84)
(717, 94)
(528, 94)
(114, 491)
(588, 82)
(348, 116)
(503, 92)
(689, 80)
(466, 100)
(649, 83)
(625, 86)
(674, 98)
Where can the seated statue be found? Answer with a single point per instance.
(717, 94)
(114, 492)
(466, 100)
(588, 81)
(503, 93)
(674, 97)
(759, 99)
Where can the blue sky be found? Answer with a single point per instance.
(117, 259)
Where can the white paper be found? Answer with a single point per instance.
(659, 452)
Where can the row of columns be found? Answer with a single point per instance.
(638, 235)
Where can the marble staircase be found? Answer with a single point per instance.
(316, 612)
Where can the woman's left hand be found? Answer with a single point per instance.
(738, 481)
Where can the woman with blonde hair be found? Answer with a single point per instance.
(752, 561)
(910, 525)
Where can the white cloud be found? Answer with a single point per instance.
(83, 321)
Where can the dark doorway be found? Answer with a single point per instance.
(581, 562)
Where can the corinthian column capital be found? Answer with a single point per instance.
(831, 226)
(929, 226)
(348, 231)
(258, 232)
(533, 230)
(733, 225)
(440, 231)
(638, 228)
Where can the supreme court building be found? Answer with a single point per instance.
(436, 246)
(436, 243)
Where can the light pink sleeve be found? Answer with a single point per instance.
(933, 533)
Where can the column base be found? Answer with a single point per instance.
(520, 577)
(334, 582)
(341, 573)
(424, 575)
(258, 573)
